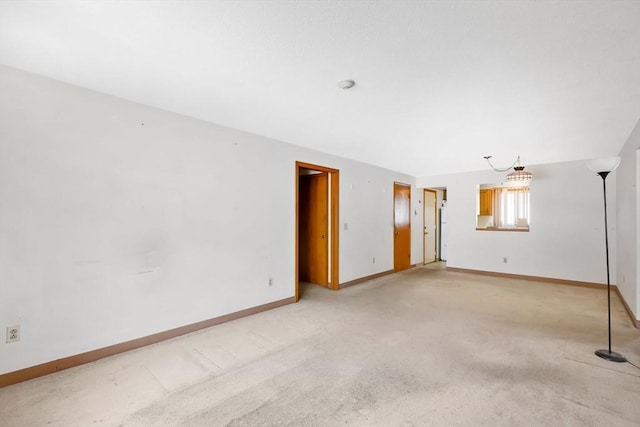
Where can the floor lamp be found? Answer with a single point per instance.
(603, 167)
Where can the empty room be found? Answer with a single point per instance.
(319, 213)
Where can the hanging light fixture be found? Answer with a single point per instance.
(517, 177)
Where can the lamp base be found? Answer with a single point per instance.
(611, 356)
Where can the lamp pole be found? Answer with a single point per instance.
(608, 354)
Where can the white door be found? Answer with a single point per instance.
(430, 209)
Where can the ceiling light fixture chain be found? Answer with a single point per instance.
(487, 158)
(516, 178)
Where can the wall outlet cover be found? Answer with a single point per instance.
(13, 333)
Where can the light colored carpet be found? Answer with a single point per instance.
(422, 347)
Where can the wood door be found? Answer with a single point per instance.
(430, 210)
(313, 259)
(401, 226)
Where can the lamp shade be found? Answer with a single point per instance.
(519, 177)
(608, 164)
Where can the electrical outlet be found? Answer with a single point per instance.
(270, 281)
(13, 334)
(504, 260)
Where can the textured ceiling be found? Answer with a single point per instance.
(439, 84)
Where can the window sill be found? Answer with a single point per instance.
(520, 229)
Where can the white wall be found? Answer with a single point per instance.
(366, 206)
(566, 237)
(628, 238)
(118, 221)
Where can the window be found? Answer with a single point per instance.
(503, 208)
(513, 207)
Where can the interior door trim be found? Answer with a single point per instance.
(334, 198)
(424, 224)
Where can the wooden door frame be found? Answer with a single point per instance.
(424, 224)
(334, 187)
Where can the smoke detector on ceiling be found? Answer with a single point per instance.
(346, 84)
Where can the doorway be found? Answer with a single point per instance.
(316, 248)
(313, 227)
(401, 226)
(430, 216)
